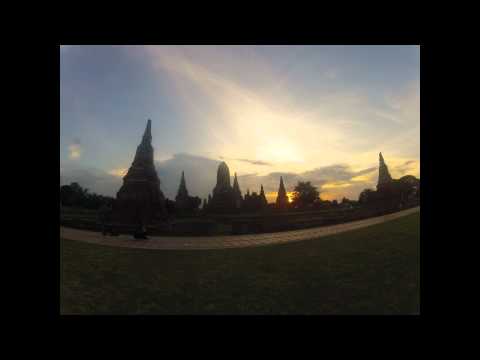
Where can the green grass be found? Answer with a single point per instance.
(374, 270)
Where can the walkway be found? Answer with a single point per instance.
(223, 242)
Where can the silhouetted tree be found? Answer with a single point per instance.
(366, 196)
(75, 195)
(66, 195)
(304, 194)
(347, 203)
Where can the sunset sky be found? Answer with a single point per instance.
(314, 113)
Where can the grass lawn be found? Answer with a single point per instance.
(374, 270)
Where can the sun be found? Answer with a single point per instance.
(290, 196)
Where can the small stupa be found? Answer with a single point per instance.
(282, 198)
(237, 193)
(384, 177)
(263, 198)
(182, 200)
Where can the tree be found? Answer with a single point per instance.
(366, 196)
(195, 202)
(66, 195)
(75, 195)
(304, 194)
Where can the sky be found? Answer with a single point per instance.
(307, 113)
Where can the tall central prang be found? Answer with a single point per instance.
(140, 200)
(223, 198)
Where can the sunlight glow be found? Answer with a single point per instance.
(272, 196)
(118, 172)
(75, 151)
(278, 151)
(290, 196)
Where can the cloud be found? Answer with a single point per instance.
(253, 162)
(331, 74)
(333, 181)
(95, 180)
(287, 129)
(407, 103)
(336, 172)
(290, 130)
(200, 174)
(262, 116)
(410, 167)
(261, 124)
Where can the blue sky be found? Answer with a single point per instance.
(301, 110)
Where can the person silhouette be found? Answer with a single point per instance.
(103, 215)
(140, 229)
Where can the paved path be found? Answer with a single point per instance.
(223, 242)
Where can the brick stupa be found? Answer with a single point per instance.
(140, 200)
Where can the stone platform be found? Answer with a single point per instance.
(225, 242)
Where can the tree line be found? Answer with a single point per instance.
(305, 196)
(76, 196)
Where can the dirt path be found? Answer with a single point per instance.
(223, 242)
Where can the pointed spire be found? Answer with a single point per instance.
(384, 176)
(282, 186)
(235, 181)
(147, 135)
(182, 180)
(237, 194)
(236, 187)
(262, 196)
(182, 189)
(282, 198)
